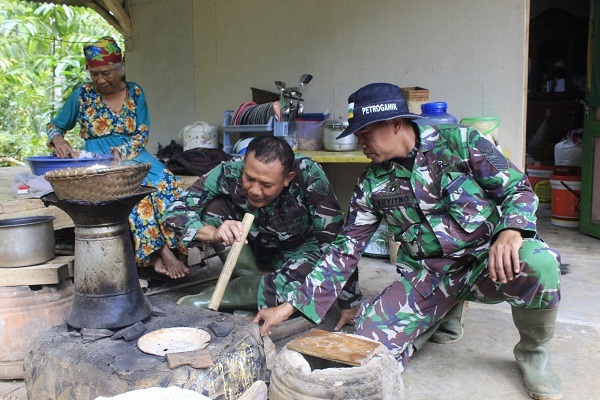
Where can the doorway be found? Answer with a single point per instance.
(557, 70)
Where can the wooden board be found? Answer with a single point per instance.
(322, 156)
(7, 174)
(339, 347)
(51, 273)
(196, 359)
(22, 206)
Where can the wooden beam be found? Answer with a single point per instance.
(116, 7)
(105, 12)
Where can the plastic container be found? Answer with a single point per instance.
(41, 164)
(539, 179)
(309, 134)
(566, 193)
(487, 126)
(200, 135)
(435, 114)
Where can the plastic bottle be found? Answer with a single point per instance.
(435, 114)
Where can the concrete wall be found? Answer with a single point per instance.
(197, 58)
(160, 57)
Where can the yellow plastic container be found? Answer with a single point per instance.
(487, 126)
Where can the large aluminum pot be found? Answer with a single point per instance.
(26, 241)
(331, 130)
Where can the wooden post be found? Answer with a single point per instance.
(234, 252)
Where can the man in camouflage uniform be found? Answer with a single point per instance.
(465, 218)
(296, 217)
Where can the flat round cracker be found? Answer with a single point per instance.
(173, 340)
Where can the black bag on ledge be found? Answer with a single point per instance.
(196, 161)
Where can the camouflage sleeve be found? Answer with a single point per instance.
(327, 216)
(327, 221)
(184, 215)
(503, 181)
(324, 284)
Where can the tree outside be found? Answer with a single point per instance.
(41, 63)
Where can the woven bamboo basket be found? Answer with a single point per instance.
(97, 184)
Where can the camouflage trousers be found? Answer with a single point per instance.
(284, 270)
(397, 315)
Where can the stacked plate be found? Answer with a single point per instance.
(250, 113)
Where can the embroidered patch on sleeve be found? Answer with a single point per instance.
(492, 154)
(322, 188)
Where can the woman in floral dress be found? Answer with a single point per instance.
(114, 119)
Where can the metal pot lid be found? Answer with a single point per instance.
(22, 221)
(335, 124)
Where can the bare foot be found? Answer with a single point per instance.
(168, 264)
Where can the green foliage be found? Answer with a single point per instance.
(41, 63)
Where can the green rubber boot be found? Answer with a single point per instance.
(246, 263)
(241, 294)
(420, 341)
(536, 329)
(451, 328)
(242, 289)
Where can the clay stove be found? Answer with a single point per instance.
(65, 364)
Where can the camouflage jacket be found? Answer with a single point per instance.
(306, 209)
(461, 192)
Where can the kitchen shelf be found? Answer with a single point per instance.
(228, 129)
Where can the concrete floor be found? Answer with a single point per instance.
(481, 365)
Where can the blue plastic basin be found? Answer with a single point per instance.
(41, 164)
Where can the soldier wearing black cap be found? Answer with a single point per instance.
(464, 216)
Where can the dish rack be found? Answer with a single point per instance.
(279, 128)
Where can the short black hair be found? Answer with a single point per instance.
(268, 149)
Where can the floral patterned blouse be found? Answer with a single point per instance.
(97, 120)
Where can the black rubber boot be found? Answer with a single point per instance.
(536, 329)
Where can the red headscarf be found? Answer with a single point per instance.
(103, 52)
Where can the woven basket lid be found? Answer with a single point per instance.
(97, 183)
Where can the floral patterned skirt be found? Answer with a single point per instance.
(145, 221)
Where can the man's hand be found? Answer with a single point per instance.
(62, 148)
(269, 317)
(346, 318)
(503, 261)
(229, 232)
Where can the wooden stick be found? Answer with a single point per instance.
(234, 252)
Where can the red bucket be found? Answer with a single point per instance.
(566, 194)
